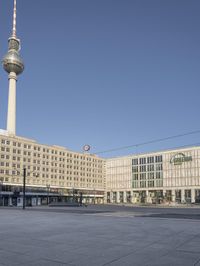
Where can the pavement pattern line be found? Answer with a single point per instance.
(135, 251)
(120, 214)
(197, 262)
(80, 239)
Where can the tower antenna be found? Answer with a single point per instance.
(14, 19)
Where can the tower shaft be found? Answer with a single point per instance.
(11, 115)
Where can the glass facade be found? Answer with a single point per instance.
(147, 172)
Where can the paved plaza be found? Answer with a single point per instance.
(100, 235)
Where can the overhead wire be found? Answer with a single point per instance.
(149, 142)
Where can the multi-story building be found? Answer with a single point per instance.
(167, 176)
(56, 173)
(50, 170)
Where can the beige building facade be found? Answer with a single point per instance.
(160, 177)
(50, 169)
(54, 173)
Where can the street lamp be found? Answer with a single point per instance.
(94, 195)
(24, 185)
(73, 194)
(1, 183)
(24, 188)
(48, 188)
(111, 196)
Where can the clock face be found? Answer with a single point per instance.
(86, 147)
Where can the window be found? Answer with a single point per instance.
(158, 175)
(143, 184)
(142, 168)
(143, 176)
(159, 159)
(142, 160)
(135, 176)
(159, 167)
(151, 183)
(150, 159)
(150, 175)
(150, 168)
(135, 169)
(135, 162)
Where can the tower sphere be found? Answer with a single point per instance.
(12, 61)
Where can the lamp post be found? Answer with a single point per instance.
(94, 195)
(48, 188)
(24, 184)
(73, 195)
(24, 188)
(1, 196)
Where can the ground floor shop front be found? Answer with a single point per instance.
(36, 196)
(181, 195)
(9, 199)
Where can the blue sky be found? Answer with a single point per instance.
(109, 73)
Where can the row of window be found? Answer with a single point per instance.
(16, 173)
(146, 184)
(45, 150)
(50, 169)
(68, 184)
(14, 158)
(144, 176)
(147, 160)
(147, 168)
(3, 156)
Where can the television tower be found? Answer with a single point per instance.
(13, 64)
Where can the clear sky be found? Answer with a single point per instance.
(109, 73)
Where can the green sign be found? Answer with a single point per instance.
(180, 158)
